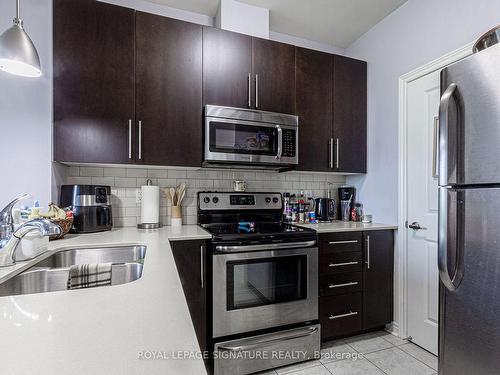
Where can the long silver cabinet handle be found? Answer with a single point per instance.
(342, 264)
(368, 252)
(256, 91)
(140, 140)
(342, 242)
(443, 133)
(249, 90)
(352, 283)
(350, 313)
(337, 148)
(295, 334)
(202, 266)
(130, 139)
(330, 161)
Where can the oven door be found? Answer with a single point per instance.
(264, 289)
(242, 141)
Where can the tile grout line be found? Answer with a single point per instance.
(417, 358)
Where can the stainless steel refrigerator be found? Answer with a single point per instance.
(469, 216)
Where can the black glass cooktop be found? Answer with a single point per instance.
(258, 232)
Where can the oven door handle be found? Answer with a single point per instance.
(271, 246)
(295, 334)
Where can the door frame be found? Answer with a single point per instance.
(400, 327)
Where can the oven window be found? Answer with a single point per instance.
(242, 139)
(266, 281)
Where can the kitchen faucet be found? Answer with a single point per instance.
(10, 237)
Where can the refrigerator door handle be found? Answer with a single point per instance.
(450, 282)
(443, 134)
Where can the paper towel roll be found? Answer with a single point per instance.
(150, 204)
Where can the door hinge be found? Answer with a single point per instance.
(406, 224)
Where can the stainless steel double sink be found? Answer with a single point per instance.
(51, 274)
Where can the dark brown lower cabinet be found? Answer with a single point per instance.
(378, 278)
(355, 282)
(190, 260)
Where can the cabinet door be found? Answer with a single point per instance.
(349, 114)
(190, 260)
(168, 91)
(378, 275)
(227, 66)
(93, 82)
(314, 91)
(274, 76)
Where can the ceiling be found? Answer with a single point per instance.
(335, 22)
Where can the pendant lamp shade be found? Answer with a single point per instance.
(18, 54)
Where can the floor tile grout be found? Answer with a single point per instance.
(433, 369)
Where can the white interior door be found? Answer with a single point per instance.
(423, 281)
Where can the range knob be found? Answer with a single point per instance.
(215, 199)
(275, 200)
(206, 200)
(268, 200)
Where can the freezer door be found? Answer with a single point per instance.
(469, 311)
(469, 120)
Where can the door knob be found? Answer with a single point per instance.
(416, 226)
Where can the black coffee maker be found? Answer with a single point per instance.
(91, 205)
(347, 194)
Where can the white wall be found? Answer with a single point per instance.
(415, 34)
(25, 110)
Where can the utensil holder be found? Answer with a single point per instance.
(176, 216)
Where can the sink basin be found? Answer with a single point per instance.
(51, 274)
(118, 254)
(41, 280)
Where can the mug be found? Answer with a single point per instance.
(239, 185)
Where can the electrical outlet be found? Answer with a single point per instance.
(138, 196)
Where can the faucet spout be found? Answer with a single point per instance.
(8, 246)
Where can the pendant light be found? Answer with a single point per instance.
(18, 54)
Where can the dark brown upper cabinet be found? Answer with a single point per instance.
(314, 108)
(246, 72)
(168, 91)
(227, 68)
(349, 114)
(274, 76)
(93, 82)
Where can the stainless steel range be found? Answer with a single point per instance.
(264, 286)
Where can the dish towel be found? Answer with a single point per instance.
(89, 275)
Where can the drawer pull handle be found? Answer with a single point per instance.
(352, 283)
(342, 264)
(350, 313)
(342, 242)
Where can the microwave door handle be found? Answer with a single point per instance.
(280, 142)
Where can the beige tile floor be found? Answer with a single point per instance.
(382, 354)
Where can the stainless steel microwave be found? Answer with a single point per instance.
(236, 136)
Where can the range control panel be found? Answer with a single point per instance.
(239, 201)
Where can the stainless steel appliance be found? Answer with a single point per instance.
(250, 137)
(347, 197)
(325, 209)
(264, 282)
(469, 219)
(91, 205)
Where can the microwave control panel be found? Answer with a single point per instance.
(289, 143)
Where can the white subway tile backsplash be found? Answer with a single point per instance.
(126, 181)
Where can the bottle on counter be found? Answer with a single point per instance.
(287, 208)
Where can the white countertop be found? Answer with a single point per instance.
(102, 330)
(350, 226)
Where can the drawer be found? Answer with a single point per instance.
(341, 242)
(340, 315)
(340, 283)
(334, 262)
